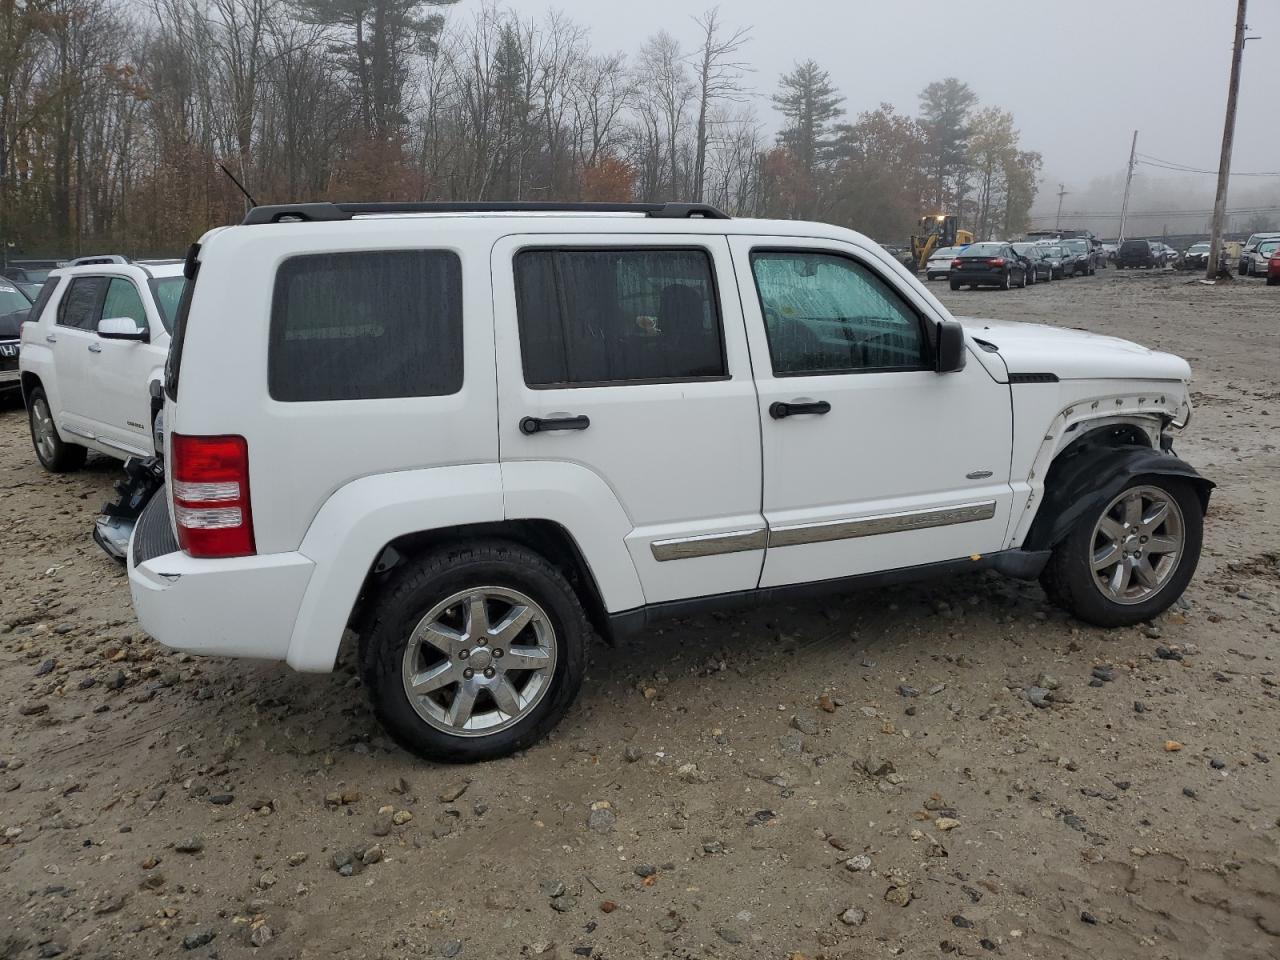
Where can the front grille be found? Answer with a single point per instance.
(153, 536)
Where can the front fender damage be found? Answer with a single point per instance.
(1082, 482)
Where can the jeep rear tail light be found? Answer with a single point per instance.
(211, 495)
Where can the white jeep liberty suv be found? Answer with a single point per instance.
(477, 434)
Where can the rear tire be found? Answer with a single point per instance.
(1007, 282)
(54, 454)
(955, 285)
(1070, 580)
(446, 722)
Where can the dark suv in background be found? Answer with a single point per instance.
(1137, 254)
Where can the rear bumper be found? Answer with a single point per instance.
(238, 607)
(978, 276)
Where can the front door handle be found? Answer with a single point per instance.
(532, 425)
(95, 348)
(780, 411)
(50, 338)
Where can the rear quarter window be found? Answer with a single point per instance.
(42, 299)
(367, 325)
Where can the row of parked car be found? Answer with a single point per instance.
(476, 436)
(1006, 265)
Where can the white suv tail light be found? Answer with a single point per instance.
(211, 495)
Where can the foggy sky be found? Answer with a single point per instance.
(1079, 75)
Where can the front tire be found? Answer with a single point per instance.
(1130, 560)
(474, 651)
(54, 455)
(955, 285)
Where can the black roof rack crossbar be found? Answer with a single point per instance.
(278, 213)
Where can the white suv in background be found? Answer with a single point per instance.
(97, 338)
(476, 436)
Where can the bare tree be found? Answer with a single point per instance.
(719, 78)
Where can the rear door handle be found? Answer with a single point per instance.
(532, 425)
(95, 348)
(780, 411)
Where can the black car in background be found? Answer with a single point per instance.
(1035, 259)
(1138, 254)
(988, 265)
(15, 306)
(1062, 264)
(1082, 250)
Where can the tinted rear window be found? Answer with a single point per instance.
(983, 250)
(81, 305)
(1134, 246)
(617, 316)
(362, 326)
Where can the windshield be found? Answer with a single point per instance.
(1027, 249)
(1077, 246)
(12, 299)
(983, 250)
(168, 291)
(1199, 248)
(1053, 251)
(1267, 247)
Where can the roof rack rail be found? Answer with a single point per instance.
(98, 259)
(285, 213)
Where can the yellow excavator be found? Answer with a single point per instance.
(936, 231)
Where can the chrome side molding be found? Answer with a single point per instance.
(801, 533)
(737, 541)
(710, 544)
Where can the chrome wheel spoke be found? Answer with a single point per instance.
(1154, 517)
(437, 678)
(526, 658)
(1119, 578)
(1162, 545)
(1111, 528)
(1133, 510)
(1144, 573)
(464, 702)
(442, 637)
(510, 626)
(505, 696)
(477, 616)
(1105, 556)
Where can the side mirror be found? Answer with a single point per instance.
(950, 353)
(121, 328)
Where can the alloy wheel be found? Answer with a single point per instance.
(1137, 545)
(479, 661)
(43, 431)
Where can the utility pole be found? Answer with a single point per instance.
(1228, 135)
(1124, 206)
(1062, 192)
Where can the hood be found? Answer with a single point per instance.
(11, 324)
(1074, 354)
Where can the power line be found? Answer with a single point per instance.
(1149, 161)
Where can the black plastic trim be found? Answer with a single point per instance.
(1021, 564)
(345, 211)
(1081, 482)
(1033, 378)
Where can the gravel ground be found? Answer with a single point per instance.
(854, 779)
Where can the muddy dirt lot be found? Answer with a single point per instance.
(769, 789)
